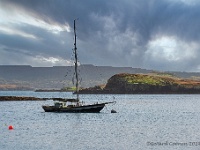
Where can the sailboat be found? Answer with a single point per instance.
(74, 105)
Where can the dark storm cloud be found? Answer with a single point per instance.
(63, 11)
(43, 43)
(117, 32)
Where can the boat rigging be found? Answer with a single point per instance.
(75, 106)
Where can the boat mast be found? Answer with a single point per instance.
(76, 62)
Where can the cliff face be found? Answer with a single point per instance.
(146, 84)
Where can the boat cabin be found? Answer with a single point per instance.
(59, 104)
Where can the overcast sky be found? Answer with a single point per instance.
(150, 34)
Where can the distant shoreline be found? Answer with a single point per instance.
(53, 90)
(26, 98)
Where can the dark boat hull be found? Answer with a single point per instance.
(95, 108)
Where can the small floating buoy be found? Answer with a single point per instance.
(10, 127)
(113, 111)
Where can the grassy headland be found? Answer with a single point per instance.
(152, 83)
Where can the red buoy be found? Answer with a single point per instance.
(10, 128)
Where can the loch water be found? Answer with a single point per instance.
(142, 122)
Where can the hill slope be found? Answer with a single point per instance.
(57, 77)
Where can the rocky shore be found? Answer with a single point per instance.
(20, 98)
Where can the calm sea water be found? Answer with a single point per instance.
(143, 122)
